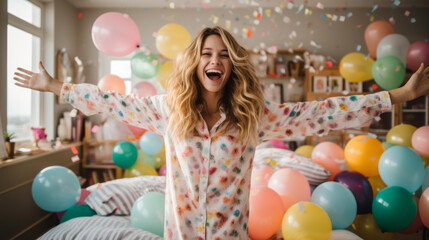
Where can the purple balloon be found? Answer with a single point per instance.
(359, 186)
(417, 53)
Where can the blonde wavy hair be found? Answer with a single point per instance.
(242, 101)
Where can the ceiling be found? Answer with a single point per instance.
(244, 3)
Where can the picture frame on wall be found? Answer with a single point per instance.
(353, 87)
(335, 84)
(273, 92)
(320, 83)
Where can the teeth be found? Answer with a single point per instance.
(213, 71)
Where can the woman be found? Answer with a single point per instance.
(212, 117)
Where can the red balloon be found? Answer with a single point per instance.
(374, 33)
(138, 132)
(417, 53)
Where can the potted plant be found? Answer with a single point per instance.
(9, 145)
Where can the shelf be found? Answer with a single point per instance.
(99, 166)
(413, 110)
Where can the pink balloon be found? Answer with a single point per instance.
(163, 170)
(417, 53)
(144, 89)
(291, 185)
(424, 207)
(138, 132)
(330, 155)
(278, 144)
(420, 141)
(83, 195)
(260, 176)
(115, 34)
(112, 83)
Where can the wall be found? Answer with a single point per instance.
(335, 38)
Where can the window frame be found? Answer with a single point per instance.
(37, 98)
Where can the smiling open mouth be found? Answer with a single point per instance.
(214, 74)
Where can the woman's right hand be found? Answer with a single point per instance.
(37, 81)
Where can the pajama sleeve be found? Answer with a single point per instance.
(318, 118)
(147, 112)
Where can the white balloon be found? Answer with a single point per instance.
(393, 45)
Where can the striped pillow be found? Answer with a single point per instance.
(281, 158)
(98, 227)
(117, 197)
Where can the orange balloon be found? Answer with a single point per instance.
(367, 229)
(265, 213)
(112, 83)
(260, 176)
(291, 185)
(363, 153)
(330, 155)
(374, 32)
(377, 184)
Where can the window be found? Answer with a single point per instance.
(24, 39)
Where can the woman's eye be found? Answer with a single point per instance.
(225, 56)
(206, 54)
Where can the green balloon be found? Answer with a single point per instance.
(124, 154)
(148, 212)
(388, 145)
(394, 209)
(146, 158)
(388, 72)
(145, 65)
(80, 210)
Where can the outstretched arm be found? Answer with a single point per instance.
(417, 85)
(41, 81)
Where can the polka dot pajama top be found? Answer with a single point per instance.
(208, 175)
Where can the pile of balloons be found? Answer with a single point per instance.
(146, 160)
(57, 189)
(392, 52)
(377, 188)
(117, 35)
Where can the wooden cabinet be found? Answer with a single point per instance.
(319, 86)
(97, 162)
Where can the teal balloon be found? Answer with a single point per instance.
(388, 145)
(147, 213)
(425, 179)
(124, 154)
(146, 158)
(145, 65)
(55, 189)
(80, 210)
(337, 201)
(401, 166)
(151, 143)
(388, 72)
(394, 209)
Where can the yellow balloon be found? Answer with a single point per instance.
(160, 157)
(401, 135)
(305, 150)
(172, 39)
(355, 67)
(164, 71)
(367, 229)
(140, 169)
(377, 184)
(306, 221)
(362, 154)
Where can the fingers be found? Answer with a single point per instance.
(420, 68)
(41, 67)
(25, 71)
(22, 85)
(22, 81)
(22, 75)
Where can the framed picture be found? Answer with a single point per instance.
(273, 92)
(320, 83)
(353, 87)
(3, 154)
(335, 83)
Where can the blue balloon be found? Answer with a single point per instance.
(148, 213)
(401, 166)
(124, 154)
(425, 179)
(56, 189)
(337, 201)
(151, 143)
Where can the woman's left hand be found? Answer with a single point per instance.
(416, 86)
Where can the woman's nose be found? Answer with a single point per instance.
(214, 59)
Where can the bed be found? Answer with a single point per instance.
(113, 200)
